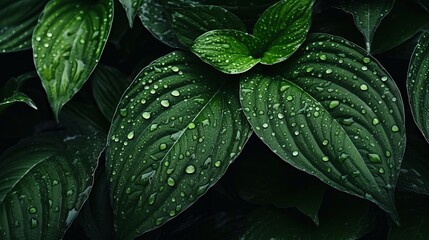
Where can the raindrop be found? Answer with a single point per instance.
(171, 182)
(325, 158)
(34, 223)
(165, 103)
(334, 104)
(175, 69)
(146, 115)
(190, 169)
(375, 121)
(218, 163)
(381, 170)
(364, 68)
(32, 210)
(123, 112)
(366, 60)
(310, 69)
(191, 125)
(395, 128)
(328, 71)
(130, 135)
(323, 57)
(325, 142)
(70, 192)
(363, 87)
(295, 153)
(384, 79)
(163, 146)
(374, 158)
(175, 93)
(152, 198)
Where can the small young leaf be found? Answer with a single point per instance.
(174, 135)
(9, 93)
(45, 181)
(230, 51)
(67, 43)
(18, 19)
(418, 84)
(283, 28)
(131, 8)
(108, 85)
(190, 22)
(333, 112)
(367, 15)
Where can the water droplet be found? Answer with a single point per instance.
(123, 112)
(325, 158)
(171, 182)
(175, 69)
(32, 210)
(325, 142)
(328, 71)
(375, 121)
(130, 135)
(395, 128)
(34, 223)
(158, 221)
(310, 69)
(388, 154)
(384, 79)
(49, 34)
(295, 153)
(265, 125)
(323, 57)
(343, 157)
(374, 158)
(190, 169)
(152, 198)
(289, 98)
(366, 60)
(165, 103)
(218, 163)
(162, 146)
(191, 125)
(146, 115)
(55, 182)
(334, 104)
(69, 192)
(175, 93)
(363, 87)
(381, 170)
(364, 68)
(280, 116)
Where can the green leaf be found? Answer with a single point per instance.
(335, 113)
(256, 186)
(346, 219)
(131, 7)
(367, 15)
(67, 43)
(282, 29)
(45, 181)
(175, 133)
(415, 167)
(9, 93)
(108, 85)
(18, 19)
(418, 84)
(189, 22)
(78, 115)
(229, 51)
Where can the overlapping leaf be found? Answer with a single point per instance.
(132, 8)
(45, 181)
(18, 19)
(418, 84)
(173, 136)
(333, 112)
(67, 44)
(9, 93)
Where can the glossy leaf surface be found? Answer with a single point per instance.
(230, 51)
(18, 19)
(132, 8)
(418, 84)
(333, 112)
(45, 181)
(175, 133)
(282, 28)
(67, 44)
(367, 15)
(10, 94)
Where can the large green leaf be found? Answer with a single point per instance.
(335, 113)
(9, 92)
(131, 8)
(189, 22)
(367, 15)
(282, 28)
(175, 133)
(67, 44)
(17, 21)
(108, 85)
(230, 51)
(418, 84)
(45, 181)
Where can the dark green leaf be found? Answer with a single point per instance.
(108, 86)
(9, 93)
(78, 115)
(45, 181)
(404, 21)
(367, 15)
(174, 135)
(335, 113)
(282, 29)
(131, 7)
(418, 84)
(346, 219)
(189, 22)
(17, 21)
(230, 51)
(67, 43)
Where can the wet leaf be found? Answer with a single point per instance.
(333, 112)
(67, 43)
(175, 133)
(108, 85)
(132, 8)
(418, 84)
(9, 92)
(229, 51)
(189, 22)
(367, 15)
(45, 181)
(18, 19)
(282, 28)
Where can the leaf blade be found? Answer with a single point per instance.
(131, 8)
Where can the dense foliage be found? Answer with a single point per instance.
(214, 119)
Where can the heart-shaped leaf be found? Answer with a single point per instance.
(108, 85)
(131, 8)
(67, 44)
(45, 181)
(175, 133)
(9, 93)
(230, 51)
(333, 112)
(282, 28)
(18, 19)
(418, 84)
(367, 15)
(189, 22)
